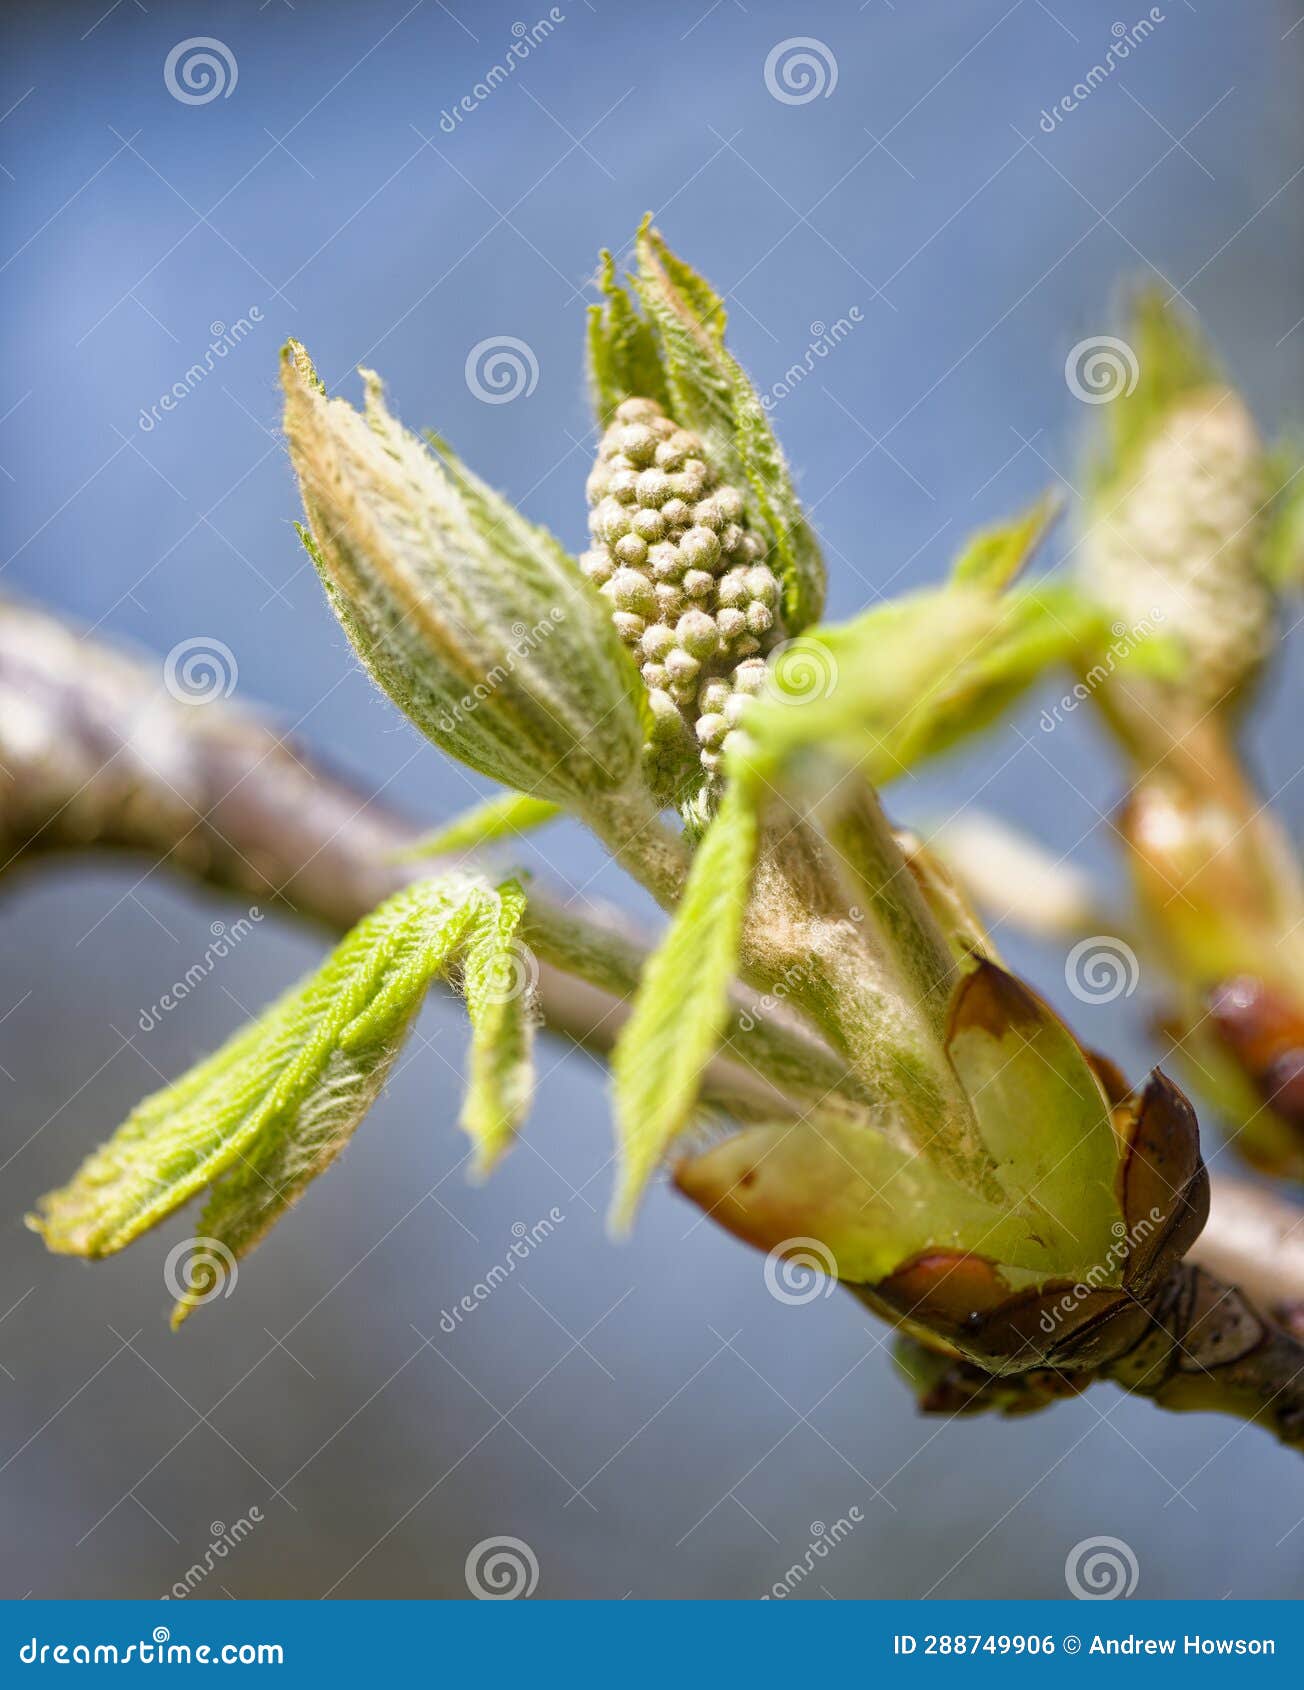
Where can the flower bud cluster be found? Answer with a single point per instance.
(1183, 538)
(690, 592)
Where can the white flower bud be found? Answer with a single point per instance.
(732, 588)
(657, 642)
(631, 551)
(691, 481)
(730, 503)
(749, 677)
(713, 695)
(697, 633)
(597, 566)
(638, 443)
(671, 602)
(637, 410)
(649, 525)
(701, 548)
(762, 585)
(613, 521)
(665, 562)
(631, 591)
(654, 487)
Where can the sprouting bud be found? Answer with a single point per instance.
(474, 621)
(684, 575)
(1011, 1278)
(1176, 540)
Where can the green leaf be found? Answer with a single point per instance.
(498, 979)
(711, 394)
(910, 678)
(869, 1203)
(270, 1177)
(994, 556)
(278, 1102)
(1283, 542)
(624, 360)
(682, 1002)
(1019, 1063)
(496, 818)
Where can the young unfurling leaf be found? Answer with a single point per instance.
(994, 556)
(498, 977)
(909, 678)
(682, 1002)
(278, 1102)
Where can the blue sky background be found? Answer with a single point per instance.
(322, 194)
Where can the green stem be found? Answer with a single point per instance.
(803, 1071)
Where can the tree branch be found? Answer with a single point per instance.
(95, 755)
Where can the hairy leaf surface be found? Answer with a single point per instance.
(683, 998)
(277, 1103)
